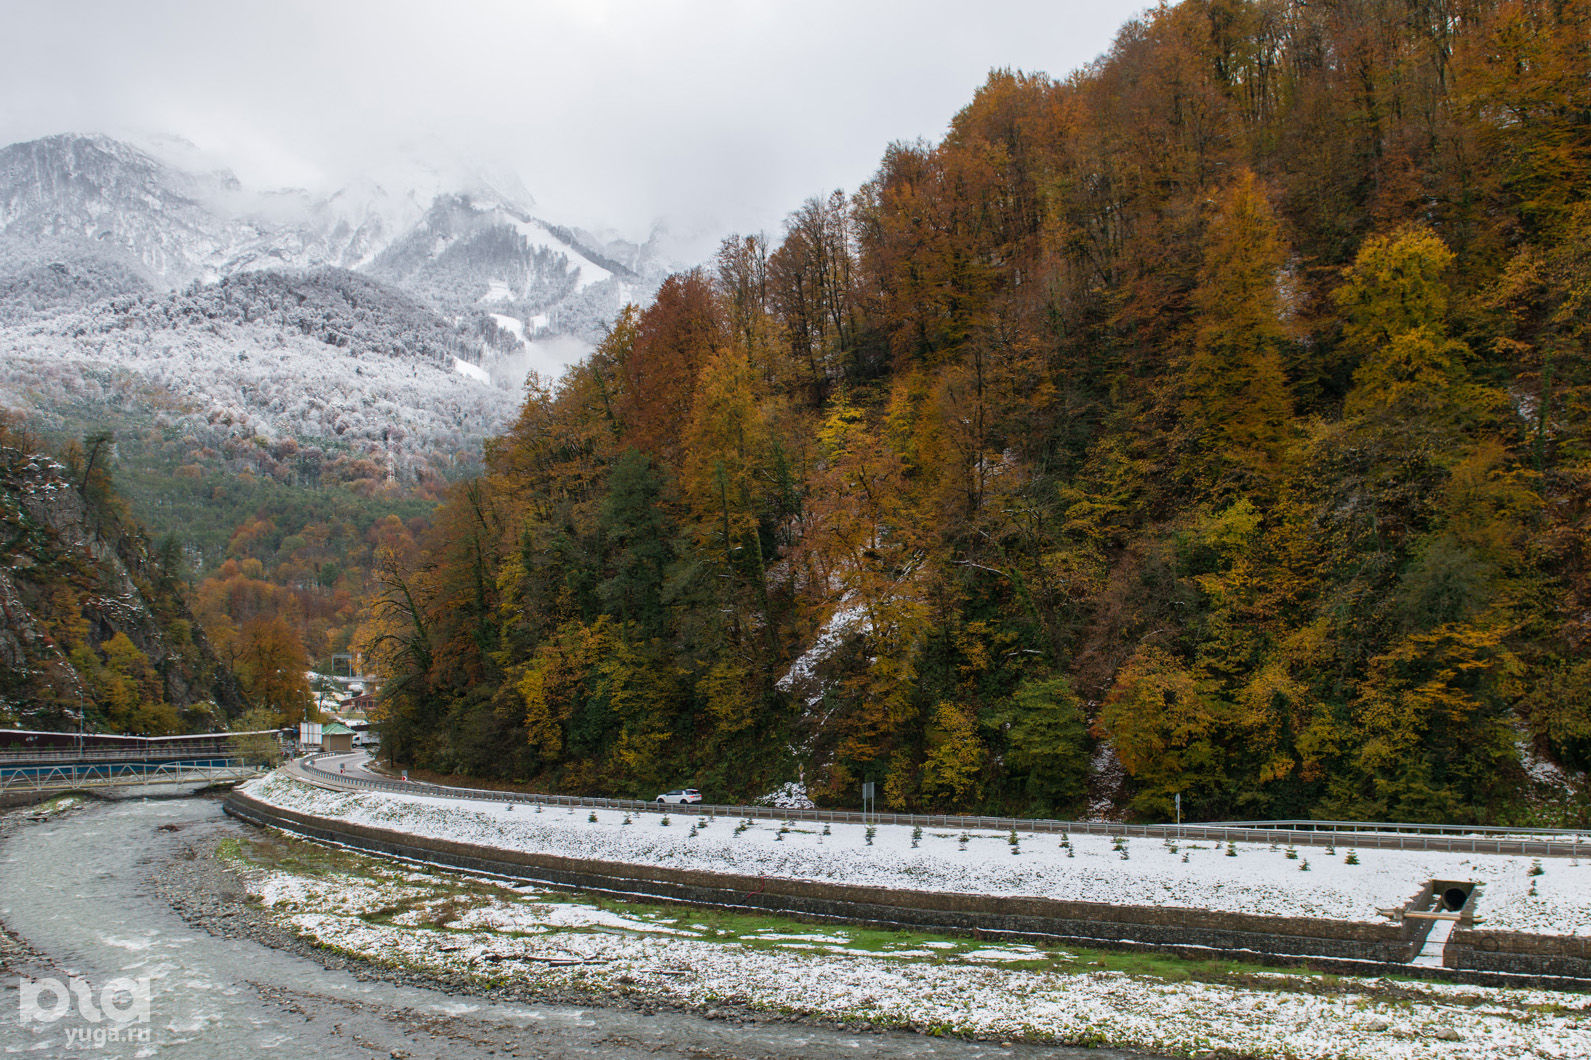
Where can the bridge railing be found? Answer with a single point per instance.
(1370, 835)
(89, 754)
(108, 774)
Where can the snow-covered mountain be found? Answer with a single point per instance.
(350, 376)
(477, 254)
(474, 257)
(81, 197)
(371, 328)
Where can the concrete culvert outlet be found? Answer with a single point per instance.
(1453, 899)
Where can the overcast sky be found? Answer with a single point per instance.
(715, 114)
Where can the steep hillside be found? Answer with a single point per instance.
(63, 286)
(337, 365)
(91, 615)
(468, 256)
(1215, 421)
(68, 197)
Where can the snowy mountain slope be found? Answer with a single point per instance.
(378, 334)
(91, 203)
(468, 257)
(70, 197)
(64, 285)
(328, 365)
(203, 371)
(335, 306)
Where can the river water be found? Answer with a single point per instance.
(78, 890)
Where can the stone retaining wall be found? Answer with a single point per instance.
(1508, 951)
(1329, 945)
(25, 797)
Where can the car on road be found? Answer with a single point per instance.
(681, 795)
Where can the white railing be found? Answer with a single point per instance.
(67, 776)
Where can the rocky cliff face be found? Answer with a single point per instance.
(88, 609)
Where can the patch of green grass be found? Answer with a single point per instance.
(232, 850)
(444, 896)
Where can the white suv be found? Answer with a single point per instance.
(681, 795)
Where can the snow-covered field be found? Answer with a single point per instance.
(449, 924)
(1258, 880)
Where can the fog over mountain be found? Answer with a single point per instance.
(712, 117)
(355, 228)
(393, 324)
(477, 253)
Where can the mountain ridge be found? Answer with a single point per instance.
(88, 198)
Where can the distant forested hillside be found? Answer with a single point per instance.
(276, 422)
(333, 306)
(1215, 421)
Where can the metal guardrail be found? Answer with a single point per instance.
(1366, 837)
(125, 774)
(1414, 827)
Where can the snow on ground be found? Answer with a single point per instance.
(792, 795)
(1541, 770)
(1106, 778)
(450, 924)
(537, 233)
(471, 371)
(845, 622)
(497, 291)
(1259, 880)
(513, 325)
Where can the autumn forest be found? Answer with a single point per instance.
(1213, 421)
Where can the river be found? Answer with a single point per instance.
(79, 890)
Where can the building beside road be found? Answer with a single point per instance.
(331, 736)
(335, 736)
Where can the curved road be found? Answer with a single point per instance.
(1525, 842)
(355, 764)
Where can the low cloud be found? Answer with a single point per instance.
(717, 115)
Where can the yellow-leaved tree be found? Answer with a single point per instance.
(1236, 393)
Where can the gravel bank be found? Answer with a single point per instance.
(211, 894)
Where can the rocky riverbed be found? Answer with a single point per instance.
(136, 890)
(209, 893)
